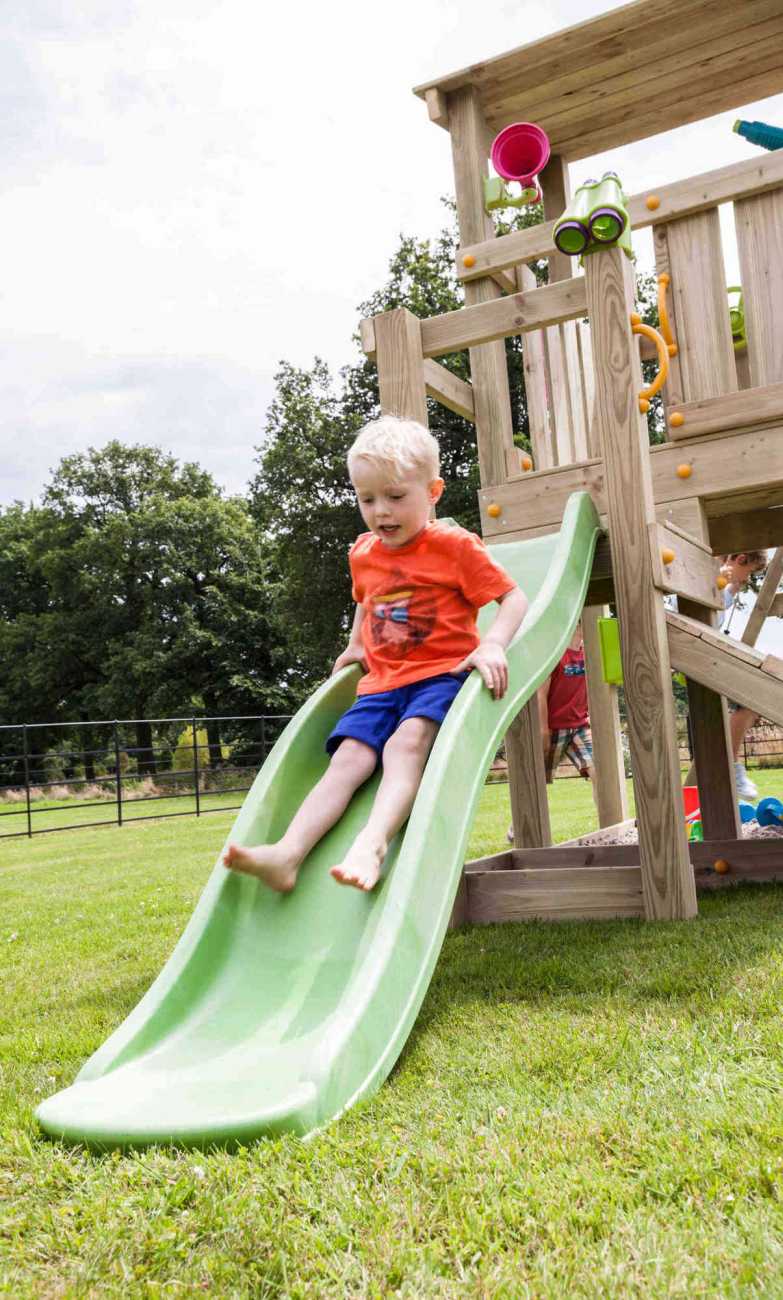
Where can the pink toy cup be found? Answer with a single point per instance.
(520, 152)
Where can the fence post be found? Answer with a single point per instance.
(27, 781)
(263, 741)
(195, 768)
(118, 774)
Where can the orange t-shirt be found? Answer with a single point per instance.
(420, 602)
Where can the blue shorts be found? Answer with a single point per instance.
(374, 718)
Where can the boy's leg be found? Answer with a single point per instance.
(404, 759)
(278, 864)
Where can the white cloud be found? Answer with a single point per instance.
(196, 190)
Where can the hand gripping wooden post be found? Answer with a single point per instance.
(667, 877)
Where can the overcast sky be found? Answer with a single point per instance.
(195, 190)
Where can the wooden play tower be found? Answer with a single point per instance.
(715, 486)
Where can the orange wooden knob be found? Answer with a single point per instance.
(664, 278)
(635, 318)
(525, 462)
(685, 470)
(673, 349)
(494, 510)
(652, 202)
(468, 260)
(667, 555)
(676, 419)
(721, 866)
(644, 405)
(721, 582)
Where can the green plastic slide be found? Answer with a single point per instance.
(275, 1013)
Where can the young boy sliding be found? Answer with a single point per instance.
(418, 585)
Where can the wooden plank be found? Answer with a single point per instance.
(755, 456)
(608, 757)
(691, 573)
(764, 599)
(400, 370)
(698, 286)
(563, 68)
(672, 392)
(705, 96)
(492, 405)
(776, 608)
(437, 107)
(459, 912)
(527, 778)
(585, 347)
(710, 659)
(666, 875)
(748, 530)
(502, 317)
(556, 894)
(556, 192)
(448, 389)
(576, 855)
(683, 89)
(488, 369)
(670, 78)
(713, 756)
(579, 46)
(559, 389)
(741, 410)
(759, 226)
(494, 862)
(680, 199)
(752, 861)
(367, 336)
(534, 369)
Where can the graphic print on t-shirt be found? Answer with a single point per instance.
(401, 616)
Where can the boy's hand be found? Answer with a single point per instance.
(490, 660)
(352, 654)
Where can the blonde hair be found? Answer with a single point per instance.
(397, 446)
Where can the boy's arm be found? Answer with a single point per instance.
(489, 657)
(354, 651)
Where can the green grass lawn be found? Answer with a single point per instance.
(582, 1110)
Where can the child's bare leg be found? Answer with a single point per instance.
(278, 864)
(404, 759)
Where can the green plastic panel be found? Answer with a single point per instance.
(275, 1013)
(609, 639)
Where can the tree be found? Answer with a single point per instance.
(151, 593)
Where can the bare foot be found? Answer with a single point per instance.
(268, 862)
(362, 864)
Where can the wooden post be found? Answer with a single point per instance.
(470, 143)
(400, 365)
(690, 250)
(605, 727)
(667, 876)
(489, 373)
(567, 350)
(527, 779)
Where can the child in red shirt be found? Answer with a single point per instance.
(418, 585)
(565, 720)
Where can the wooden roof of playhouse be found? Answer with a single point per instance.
(646, 67)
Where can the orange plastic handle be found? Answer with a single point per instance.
(637, 327)
(664, 281)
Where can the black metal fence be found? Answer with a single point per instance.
(52, 771)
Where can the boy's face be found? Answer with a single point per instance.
(395, 509)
